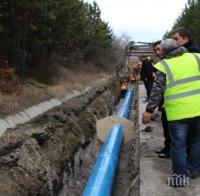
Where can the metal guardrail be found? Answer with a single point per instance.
(101, 180)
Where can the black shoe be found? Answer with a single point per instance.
(164, 155)
(161, 151)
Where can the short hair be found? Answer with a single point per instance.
(183, 32)
(156, 43)
(167, 45)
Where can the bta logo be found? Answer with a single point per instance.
(178, 180)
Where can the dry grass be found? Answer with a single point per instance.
(33, 93)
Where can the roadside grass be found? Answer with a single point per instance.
(33, 92)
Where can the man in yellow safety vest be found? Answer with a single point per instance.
(178, 77)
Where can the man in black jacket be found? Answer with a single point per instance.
(183, 38)
(165, 151)
(147, 73)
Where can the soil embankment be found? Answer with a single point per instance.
(55, 152)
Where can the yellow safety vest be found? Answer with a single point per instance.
(182, 92)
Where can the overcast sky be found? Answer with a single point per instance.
(142, 20)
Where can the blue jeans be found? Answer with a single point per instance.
(181, 132)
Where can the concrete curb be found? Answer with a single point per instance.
(22, 117)
(28, 114)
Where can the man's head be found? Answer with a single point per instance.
(157, 49)
(168, 45)
(181, 36)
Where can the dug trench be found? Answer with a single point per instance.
(54, 153)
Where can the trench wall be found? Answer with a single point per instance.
(39, 157)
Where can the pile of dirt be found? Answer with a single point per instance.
(35, 156)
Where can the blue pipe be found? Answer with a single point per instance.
(102, 177)
(125, 108)
(103, 174)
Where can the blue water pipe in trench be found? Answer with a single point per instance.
(102, 177)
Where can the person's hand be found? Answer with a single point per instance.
(146, 117)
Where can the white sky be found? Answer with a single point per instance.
(142, 20)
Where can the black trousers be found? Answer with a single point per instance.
(166, 131)
(148, 85)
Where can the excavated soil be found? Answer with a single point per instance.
(54, 153)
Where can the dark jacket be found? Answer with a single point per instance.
(192, 47)
(147, 69)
